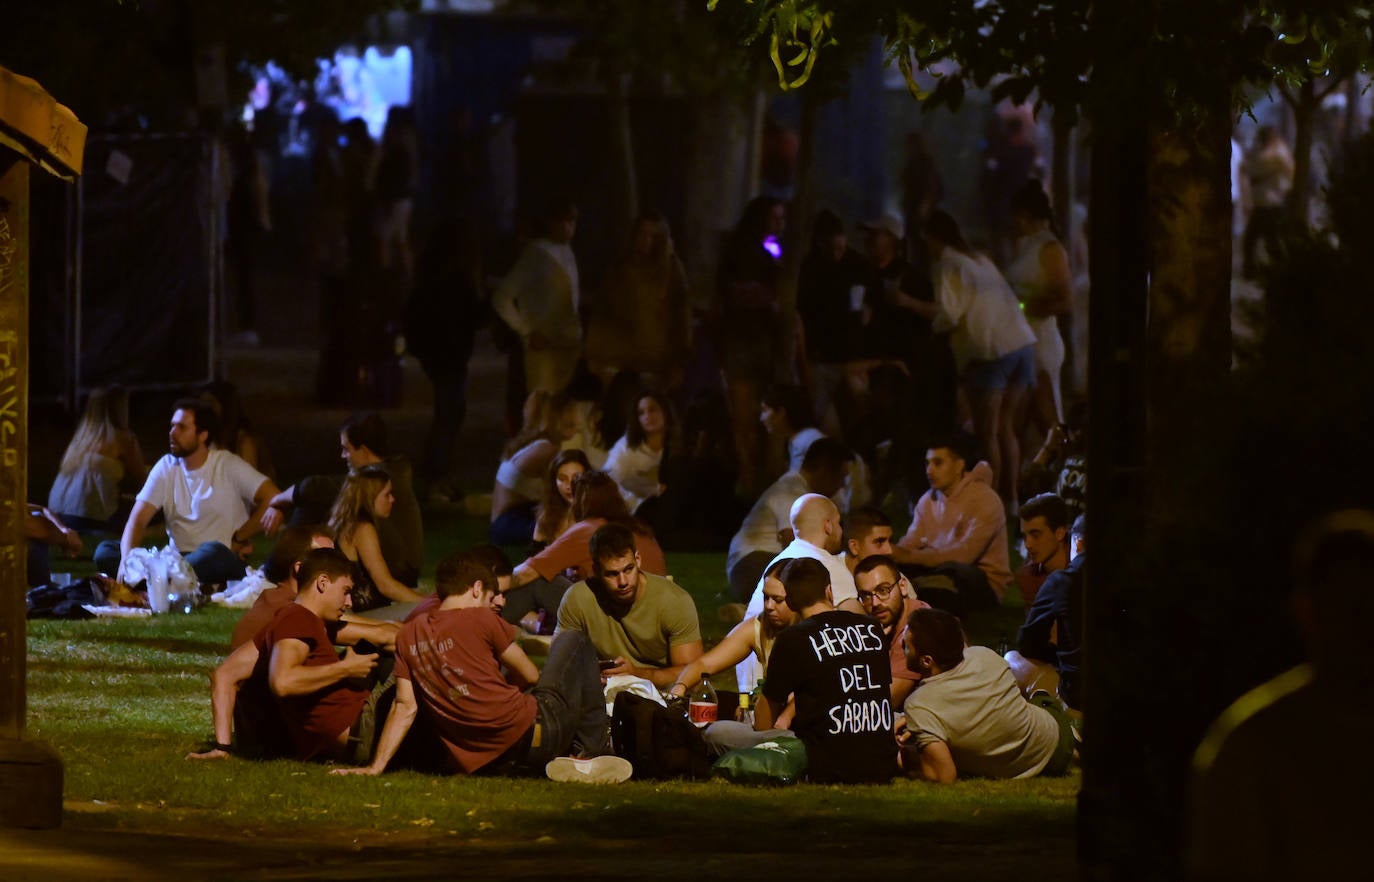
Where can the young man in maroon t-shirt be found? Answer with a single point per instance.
(291, 663)
(450, 660)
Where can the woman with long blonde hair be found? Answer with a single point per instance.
(102, 454)
(365, 499)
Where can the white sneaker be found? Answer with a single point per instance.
(598, 770)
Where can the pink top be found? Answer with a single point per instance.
(968, 526)
(573, 551)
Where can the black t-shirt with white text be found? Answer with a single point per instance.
(836, 665)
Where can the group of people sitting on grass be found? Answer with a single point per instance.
(853, 641)
(846, 652)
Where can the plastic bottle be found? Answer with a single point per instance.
(746, 710)
(702, 704)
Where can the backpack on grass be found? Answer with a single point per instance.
(659, 742)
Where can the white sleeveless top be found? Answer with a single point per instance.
(1023, 274)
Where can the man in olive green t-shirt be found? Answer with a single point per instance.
(643, 625)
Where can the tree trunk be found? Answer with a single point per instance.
(1062, 198)
(1116, 491)
(719, 163)
(1160, 361)
(795, 238)
(625, 199)
(1304, 114)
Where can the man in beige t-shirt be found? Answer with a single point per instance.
(642, 625)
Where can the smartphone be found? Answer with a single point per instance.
(606, 664)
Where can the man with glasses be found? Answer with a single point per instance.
(887, 596)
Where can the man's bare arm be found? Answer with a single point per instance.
(515, 659)
(735, 648)
(678, 657)
(289, 675)
(133, 530)
(933, 762)
(381, 634)
(398, 723)
(262, 504)
(225, 682)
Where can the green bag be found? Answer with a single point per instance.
(780, 762)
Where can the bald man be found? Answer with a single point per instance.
(816, 525)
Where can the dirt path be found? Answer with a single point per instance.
(91, 847)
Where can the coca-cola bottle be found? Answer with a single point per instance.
(702, 704)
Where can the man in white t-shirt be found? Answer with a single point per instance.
(816, 523)
(967, 717)
(212, 501)
(824, 470)
(539, 299)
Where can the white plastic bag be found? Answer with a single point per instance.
(242, 593)
(634, 685)
(165, 573)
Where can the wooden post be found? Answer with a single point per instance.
(34, 130)
(30, 771)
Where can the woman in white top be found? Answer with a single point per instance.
(102, 454)
(1039, 273)
(636, 458)
(524, 462)
(993, 343)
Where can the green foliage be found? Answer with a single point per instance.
(1168, 57)
(697, 51)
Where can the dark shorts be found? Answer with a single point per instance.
(1013, 369)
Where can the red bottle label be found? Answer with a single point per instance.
(702, 713)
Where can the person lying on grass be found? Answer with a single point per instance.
(451, 660)
(286, 692)
(968, 716)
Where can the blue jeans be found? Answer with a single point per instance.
(212, 561)
(571, 703)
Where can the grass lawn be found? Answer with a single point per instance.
(124, 700)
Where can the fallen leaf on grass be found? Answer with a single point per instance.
(423, 822)
(372, 805)
(486, 825)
